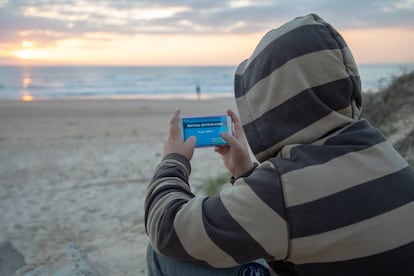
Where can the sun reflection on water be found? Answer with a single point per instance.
(26, 96)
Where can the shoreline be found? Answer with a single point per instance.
(160, 97)
(25, 96)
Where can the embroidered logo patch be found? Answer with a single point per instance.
(253, 269)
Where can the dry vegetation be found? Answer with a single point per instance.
(392, 111)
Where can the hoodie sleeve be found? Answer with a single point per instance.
(241, 224)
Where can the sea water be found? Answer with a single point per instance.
(48, 82)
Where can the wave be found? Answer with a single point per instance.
(140, 82)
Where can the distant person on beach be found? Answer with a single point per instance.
(198, 91)
(331, 196)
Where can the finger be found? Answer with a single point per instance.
(174, 126)
(175, 116)
(238, 128)
(221, 149)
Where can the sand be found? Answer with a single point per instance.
(77, 170)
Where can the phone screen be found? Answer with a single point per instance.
(207, 129)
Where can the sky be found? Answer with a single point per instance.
(174, 32)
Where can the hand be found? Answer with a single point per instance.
(235, 155)
(174, 142)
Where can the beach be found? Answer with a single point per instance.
(77, 170)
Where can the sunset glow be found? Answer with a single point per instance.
(31, 54)
(381, 45)
(218, 33)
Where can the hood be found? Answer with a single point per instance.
(300, 84)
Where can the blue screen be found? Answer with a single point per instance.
(206, 129)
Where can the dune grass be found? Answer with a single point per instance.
(214, 185)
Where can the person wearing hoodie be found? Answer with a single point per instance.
(331, 196)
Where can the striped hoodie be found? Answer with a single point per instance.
(330, 197)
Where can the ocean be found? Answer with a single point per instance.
(32, 83)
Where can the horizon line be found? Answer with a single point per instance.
(170, 65)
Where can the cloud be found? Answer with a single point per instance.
(50, 20)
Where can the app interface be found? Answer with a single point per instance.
(206, 129)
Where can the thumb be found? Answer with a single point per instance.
(230, 139)
(191, 141)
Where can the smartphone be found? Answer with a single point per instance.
(207, 129)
